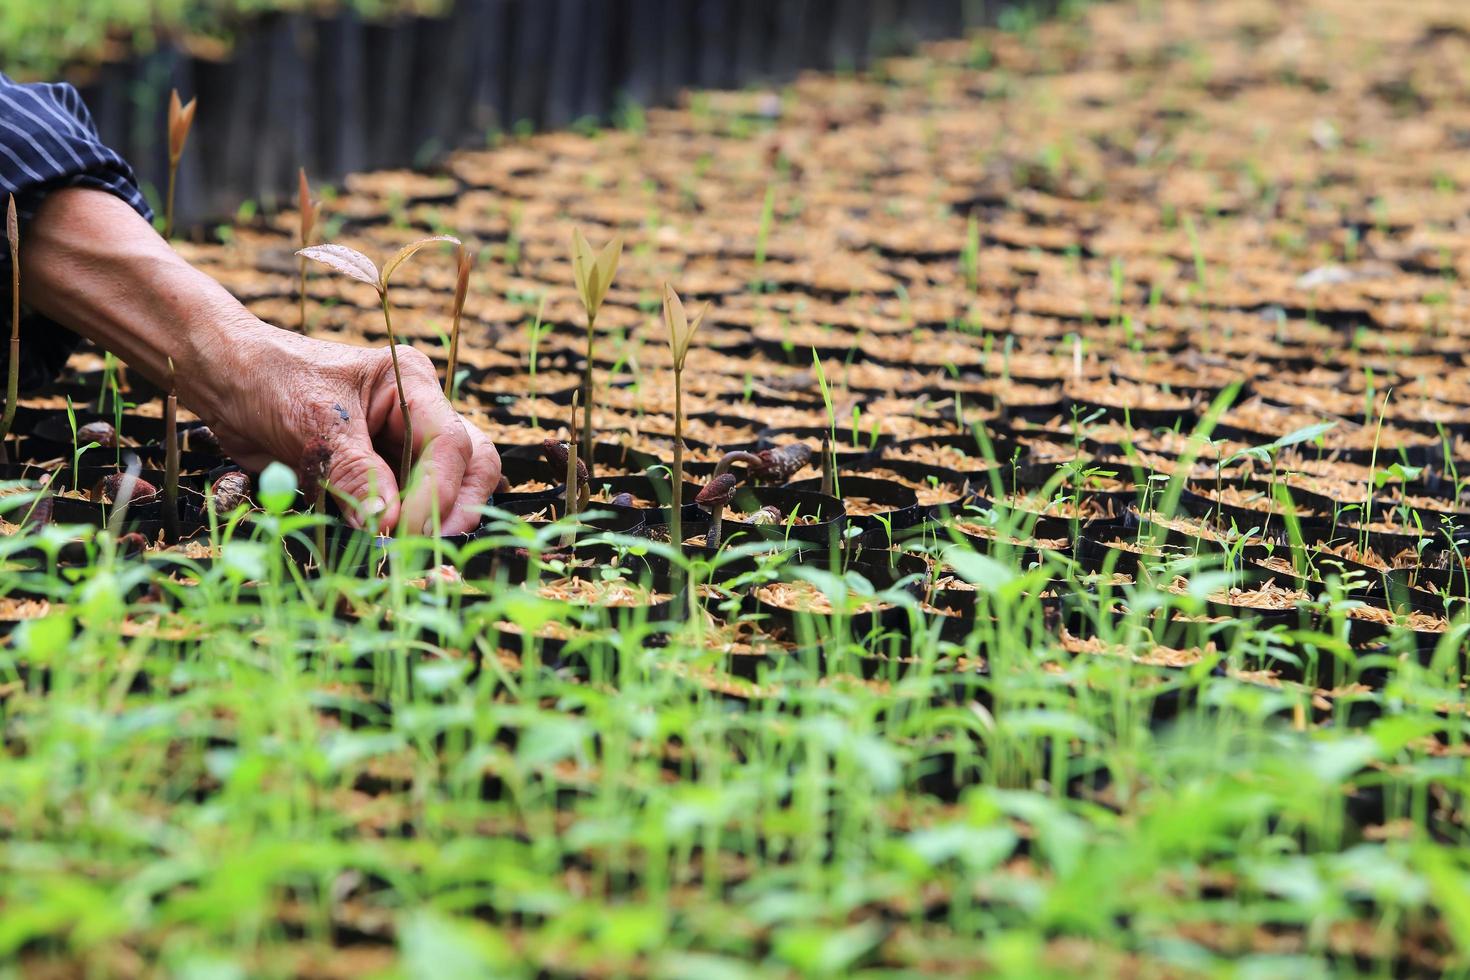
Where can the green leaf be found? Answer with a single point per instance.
(979, 570)
(435, 946)
(277, 489)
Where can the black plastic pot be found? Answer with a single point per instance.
(902, 506)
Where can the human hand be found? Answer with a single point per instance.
(284, 390)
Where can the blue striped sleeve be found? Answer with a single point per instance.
(48, 141)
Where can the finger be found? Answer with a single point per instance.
(442, 447)
(480, 480)
(361, 481)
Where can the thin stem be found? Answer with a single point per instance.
(453, 358)
(302, 293)
(320, 507)
(588, 400)
(712, 536)
(168, 213)
(737, 456)
(171, 468)
(570, 507)
(406, 464)
(676, 520)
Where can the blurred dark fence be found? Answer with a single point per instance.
(338, 94)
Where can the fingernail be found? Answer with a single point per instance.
(374, 505)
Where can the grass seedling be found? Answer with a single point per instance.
(180, 119)
(171, 460)
(829, 461)
(681, 332)
(12, 378)
(537, 332)
(351, 262)
(308, 209)
(461, 291)
(594, 273)
(970, 255)
(763, 236)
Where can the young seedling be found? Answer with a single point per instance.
(12, 379)
(171, 461)
(594, 274)
(351, 262)
(715, 498)
(180, 119)
(461, 291)
(308, 209)
(681, 332)
(829, 467)
(769, 465)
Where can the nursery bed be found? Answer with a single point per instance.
(1137, 341)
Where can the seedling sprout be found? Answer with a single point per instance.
(354, 264)
(180, 119)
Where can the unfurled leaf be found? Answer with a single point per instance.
(594, 271)
(180, 119)
(407, 252)
(348, 261)
(681, 328)
(307, 207)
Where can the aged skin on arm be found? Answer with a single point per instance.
(90, 262)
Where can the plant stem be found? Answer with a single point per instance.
(171, 468)
(168, 212)
(712, 536)
(453, 358)
(588, 400)
(320, 506)
(406, 464)
(302, 290)
(676, 522)
(569, 509)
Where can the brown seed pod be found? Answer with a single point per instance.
(780, 465)
(107, 489)
(230, 491)
(716, 496)
(767, 515)
(102, 433)
(556, 457)
(40, 514)
(131, 544)
(200, 439)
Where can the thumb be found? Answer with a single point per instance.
(363, 483)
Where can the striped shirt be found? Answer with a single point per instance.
(48, 141)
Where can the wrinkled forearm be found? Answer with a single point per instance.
(91, 263)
